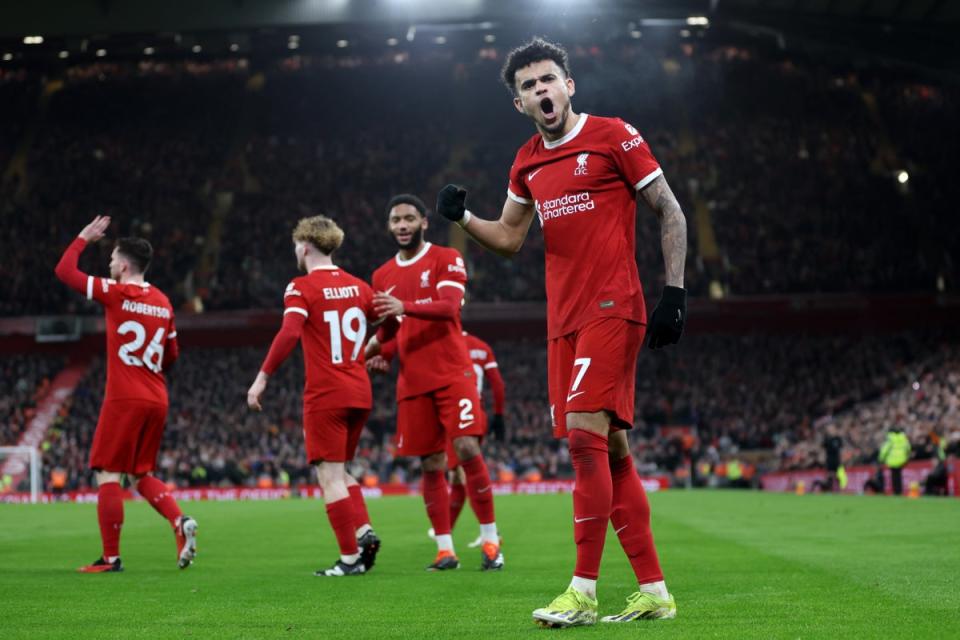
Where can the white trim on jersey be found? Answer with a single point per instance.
(653, 175)
(299, 310)
(451, 283)
(516, 198)
(325, 267)
(172, 334)
(406, 263)
(89, 287)
(491, 365)
(570, 136)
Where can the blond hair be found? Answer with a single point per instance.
(321, 232)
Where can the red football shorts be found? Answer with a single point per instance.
(453, 460)
(128, 436)
(332, 435)
(594, 369)
(427, 421)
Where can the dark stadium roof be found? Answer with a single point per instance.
(912, 31)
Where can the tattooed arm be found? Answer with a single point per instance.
(673, 228)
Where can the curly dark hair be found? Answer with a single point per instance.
(536, 50)
(407, 198)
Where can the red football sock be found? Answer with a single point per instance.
(361, 517)
(342, 520)
(592, 499)
(631, 520)
(160, 498)
(458, 495)
(479, 488)
(110, 515)
(436, 496)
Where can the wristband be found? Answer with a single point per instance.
(465, 219)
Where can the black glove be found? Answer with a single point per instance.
(450, 202)
(666, 323)
(496, 427)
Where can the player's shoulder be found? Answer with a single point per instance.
(528, 148)
(384, 268)
(355, 280)
(156, 293)
(297, 286)
(441, 252)
(611, 125)
(477, 343)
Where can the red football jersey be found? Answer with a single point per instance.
(139, 325)
(339, 309)
(584, 189)
(482, 357)
(432, 353)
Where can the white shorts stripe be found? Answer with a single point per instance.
(451, 283)
(300, 310)
(653, 175)
(89, 287)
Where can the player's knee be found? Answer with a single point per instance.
(330, 474)
(434, 462)
(104, 477)
(598, 422)
(467, 447)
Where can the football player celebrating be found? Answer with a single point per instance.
(580, 176)
(141, 345)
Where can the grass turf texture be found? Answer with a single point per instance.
(741, 565)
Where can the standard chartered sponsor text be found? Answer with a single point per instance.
(565, 205)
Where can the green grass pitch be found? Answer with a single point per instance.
(741, 565)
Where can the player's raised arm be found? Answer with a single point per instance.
(67, 270)
(666, 323)
(504, 236)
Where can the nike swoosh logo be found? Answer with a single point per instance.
(579, 520)
(574, 395)
(390, 290)
(464, 425)
(621, 529)
(484, 490)
(533, 173)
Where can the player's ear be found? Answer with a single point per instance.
(571, 86)
(518, 103)
(425, 223)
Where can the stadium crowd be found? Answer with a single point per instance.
(787, 197)
(24, 381)
(794, 190)
(778, 399)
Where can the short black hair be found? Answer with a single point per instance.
(536, 50)
(407, 198)
(138, 251)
